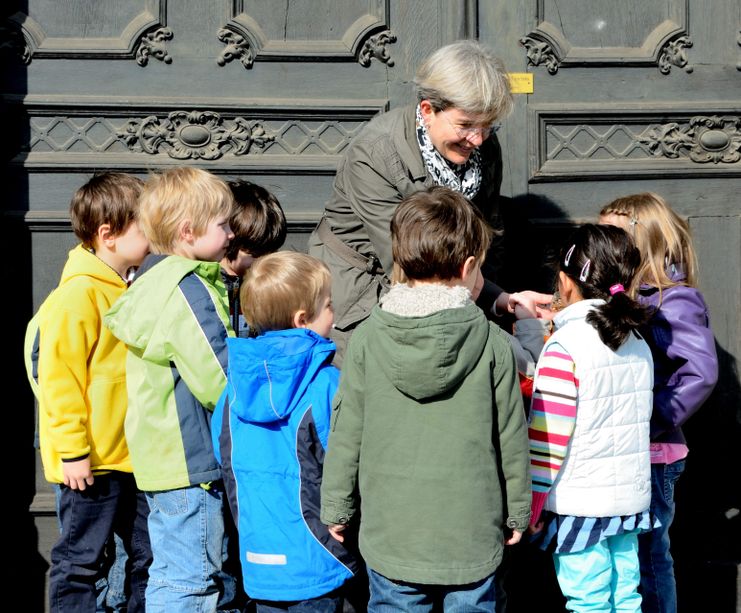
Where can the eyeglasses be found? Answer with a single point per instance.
(469, 133)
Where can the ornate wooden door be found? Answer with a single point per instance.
(628, 96)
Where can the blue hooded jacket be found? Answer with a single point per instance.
(270, 431)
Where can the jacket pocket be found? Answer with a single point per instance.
(360, 300)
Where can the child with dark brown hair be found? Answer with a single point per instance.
(589, 426)
(429, 444)
(259, 227)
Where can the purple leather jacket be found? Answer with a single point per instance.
(685, 361)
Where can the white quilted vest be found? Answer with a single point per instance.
(607, 470)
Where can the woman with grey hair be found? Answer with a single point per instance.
(446, 139)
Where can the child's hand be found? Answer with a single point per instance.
(535, 528)
(336, 531)
(514, 539)
(522, 312)
(77, 474)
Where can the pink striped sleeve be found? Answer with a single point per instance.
(552, 420)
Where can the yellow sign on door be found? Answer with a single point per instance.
(521, 82)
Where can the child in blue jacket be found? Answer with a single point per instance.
(270, 431)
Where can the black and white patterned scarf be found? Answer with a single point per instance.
(463, 178)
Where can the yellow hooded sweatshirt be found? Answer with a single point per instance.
(82, 370)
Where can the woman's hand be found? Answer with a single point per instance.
(535, 304)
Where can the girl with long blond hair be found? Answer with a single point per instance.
(685, 366)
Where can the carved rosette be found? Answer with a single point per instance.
(376, 47)
(13, 43)
(237, 47)
(704, 139)
(153, 45)
(540, 52)
(193, 135)
(674, 54)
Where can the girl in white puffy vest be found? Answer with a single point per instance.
(589, 426)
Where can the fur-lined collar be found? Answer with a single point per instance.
(424, 299)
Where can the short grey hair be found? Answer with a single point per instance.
(467, 76)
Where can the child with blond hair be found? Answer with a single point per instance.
(270, 431)
(685, 367)
(175, 321)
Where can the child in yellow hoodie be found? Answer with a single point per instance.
(81, 370)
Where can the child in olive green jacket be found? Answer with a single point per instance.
(428, 436)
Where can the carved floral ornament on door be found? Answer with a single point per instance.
(237, 47)
(704, 139)
(193, 135)
(541, 51)
(563, 39)
(24, 39)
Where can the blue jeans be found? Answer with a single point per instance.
(602, 578)
(88, 519)
(186, 527)
(388, 596)
(658, 587)
(112, 589)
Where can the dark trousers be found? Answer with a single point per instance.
(329, 603)
(111, 505)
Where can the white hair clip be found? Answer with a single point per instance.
(585, 271)
(569, 253)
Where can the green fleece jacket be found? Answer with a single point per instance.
(175, 321)
(429, 443)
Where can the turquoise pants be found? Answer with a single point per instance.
(603, 577)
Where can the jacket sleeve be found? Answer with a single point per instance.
(31, 354)
(371, 194)
(196, 341)
(552, 421)
(325, 390)
(527, 343)
(66, 339)
(681, 330)
(339, 482)
(512, 435)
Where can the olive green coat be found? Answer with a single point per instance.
(428, 441)
(382, 166)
